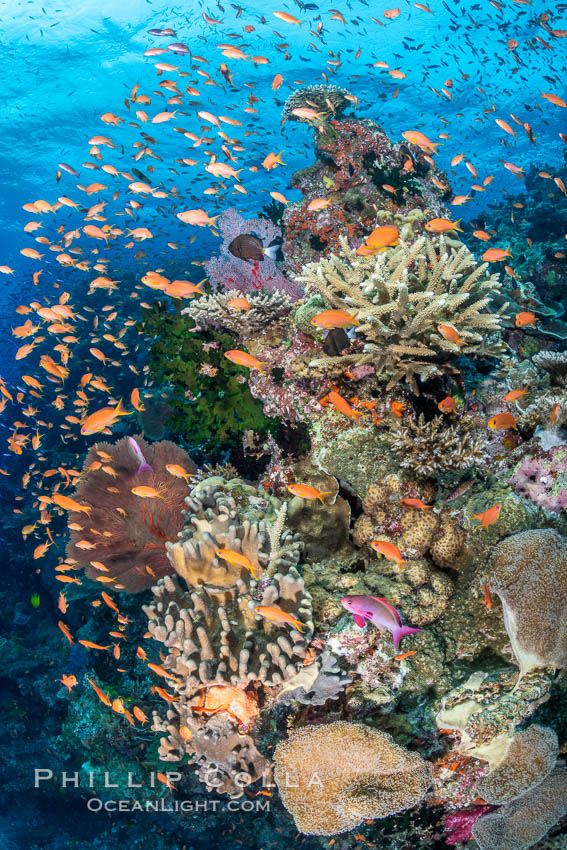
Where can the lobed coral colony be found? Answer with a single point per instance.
(353, 600)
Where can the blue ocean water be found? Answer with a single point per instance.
(470, 76)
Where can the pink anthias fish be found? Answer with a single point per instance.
(136, 452)
(379, 612)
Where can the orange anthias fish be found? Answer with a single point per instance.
(418, 504)
(304, 491)
(342, 405)
(451, 335)
(69, 504)
(331, 319)
(100, 694)
(442, 225)
(555, 414)
(488, 517)
(239, 559)
(277, 615)
(448, 405)
(524, 319)
(103, 418)
(242, 358)
(502, 421)
(494, 255)
(514, 395)
(69, 680)
(178, 471)
(381, 238)
(391, 552)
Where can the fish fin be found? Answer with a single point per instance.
(143, 466)
(390, 606)
(120, 410)
(402, 631)
(360, 621)
(274, 249)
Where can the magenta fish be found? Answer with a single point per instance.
(379, 612)
(137, 453)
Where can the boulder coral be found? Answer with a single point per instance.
(332, 778)
(528, 571)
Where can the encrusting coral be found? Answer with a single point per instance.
(332, 778)
(125, 532)
(400, 297)
(434, 447)
(528, 571)
(216, 310)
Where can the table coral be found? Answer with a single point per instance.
(528, 571)
(331, 778)
(126, 533)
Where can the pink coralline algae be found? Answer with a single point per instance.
(358, 170)
(225, 271)
(460, 824)
(543, 479)
(286, 397)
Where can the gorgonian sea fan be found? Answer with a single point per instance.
(125, 532)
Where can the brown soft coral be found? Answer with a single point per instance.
(124, 532)
(331, 778)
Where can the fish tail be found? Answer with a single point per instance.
(278, 158)
(144, 466)
(401, 631)
(326, 493)
(120, 410)
(301, 627)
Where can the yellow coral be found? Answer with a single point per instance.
(332, 778)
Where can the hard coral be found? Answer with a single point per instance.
(332, 778)
(330, 100)
(431, 448)
(401, 296)
(127, 533)
(528, 571)
(215, 309)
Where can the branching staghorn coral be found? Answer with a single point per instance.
(431, 448)
(400, 297)
(265, 307)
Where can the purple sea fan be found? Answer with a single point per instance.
(227, 271)
(460, 823)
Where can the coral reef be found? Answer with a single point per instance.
(210, 396)
(126, 533)
(331, 778)
(429, 448)
(542, 477)
(326, 99)
(401, 297)
(528, 571)
(226, 271)
(555, 364)
(529, 758)
(520, 824)
(215, 310)
(358, 170)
